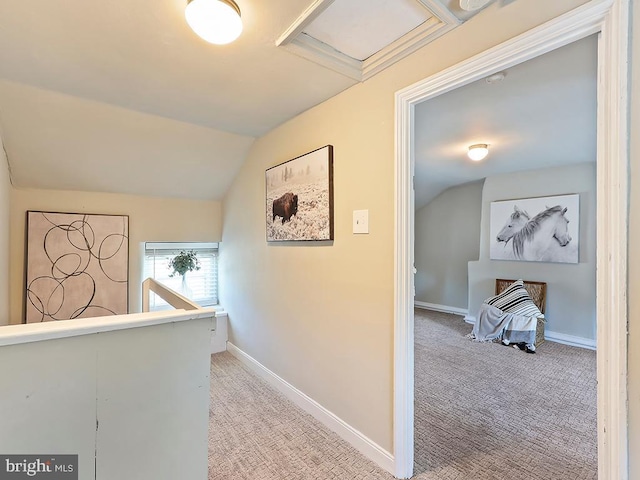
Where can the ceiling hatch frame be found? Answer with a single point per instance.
(296, 41)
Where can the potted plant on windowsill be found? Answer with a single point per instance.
(185, 261)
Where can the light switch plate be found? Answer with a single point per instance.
(361, 221)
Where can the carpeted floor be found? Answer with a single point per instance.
(255, 433)
(483, 411)
(486, 411)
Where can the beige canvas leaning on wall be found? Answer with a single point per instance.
(77, 266)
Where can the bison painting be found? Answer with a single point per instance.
(286, 206)
(302, 187)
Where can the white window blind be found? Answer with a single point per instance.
(201, 285)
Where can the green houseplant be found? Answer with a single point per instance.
(185, 261)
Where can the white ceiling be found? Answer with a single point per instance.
(142, 55)
(204, 104)
(95, 93)
(542, 114)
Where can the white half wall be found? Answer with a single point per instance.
(5, 227)
(634, 252)
(219, 335)
(571, 288)
(132, 403)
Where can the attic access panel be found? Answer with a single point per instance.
(360, 38)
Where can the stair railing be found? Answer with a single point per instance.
(172, 297)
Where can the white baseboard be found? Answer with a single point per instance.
(470, 319)
(365, 445)
(570, 340)
(441, 308)
(556, 337)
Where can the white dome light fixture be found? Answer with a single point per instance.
(215, 21)
(478, 151)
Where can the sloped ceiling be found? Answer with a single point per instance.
(126, 89)
(95, 94)
(142, 55)
(56, 141)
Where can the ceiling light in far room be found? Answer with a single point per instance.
(215, 21)
(496, 77)
(478, 151)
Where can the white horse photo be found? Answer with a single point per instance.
(514, 224)
(543, 238)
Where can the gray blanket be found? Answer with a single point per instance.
(492, 323)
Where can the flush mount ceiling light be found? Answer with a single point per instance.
(496, 77)
(215, 21)
(478, 152)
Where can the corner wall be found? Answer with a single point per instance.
(571, 288)
(319, 315)
(447, 232)
(5, 229)
(151, 219)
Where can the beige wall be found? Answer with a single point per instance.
(150, 219)
(321, 316)
(634, 255)
(5, 195)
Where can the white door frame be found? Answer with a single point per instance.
(611, 19)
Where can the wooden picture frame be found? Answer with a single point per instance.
(299, 198)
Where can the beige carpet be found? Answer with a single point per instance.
(486, 411)
(257, 434)
(483, 411)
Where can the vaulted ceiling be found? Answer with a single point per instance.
(94, 94)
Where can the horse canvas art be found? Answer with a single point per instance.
(550, 235)
(514, 224)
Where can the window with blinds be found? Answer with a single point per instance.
(201, 286)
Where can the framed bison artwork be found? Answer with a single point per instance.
(299, 203)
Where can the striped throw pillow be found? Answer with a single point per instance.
(515, 299)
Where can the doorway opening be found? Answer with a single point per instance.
(610, 19)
